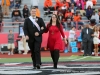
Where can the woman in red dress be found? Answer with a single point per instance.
(54, 39)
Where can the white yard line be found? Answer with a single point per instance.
(93, 73)
(80, 58)
(71, 57)
(95, 57)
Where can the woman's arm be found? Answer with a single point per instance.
(62, 33)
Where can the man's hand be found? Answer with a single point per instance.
(42, 28)
(36, 34)
(27, 38)
(65, 40)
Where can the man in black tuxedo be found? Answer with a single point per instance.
(87, 39)
(33, 30)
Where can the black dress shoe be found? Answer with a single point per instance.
(38, 66)
(40, 63)
(55, 65)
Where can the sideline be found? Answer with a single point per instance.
(80, 58)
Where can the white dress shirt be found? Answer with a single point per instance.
(87, 31)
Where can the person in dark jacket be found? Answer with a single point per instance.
(34, 27)
(89, 12)
(1, 21)
(16, 15)
(87, 40)
(25, 11)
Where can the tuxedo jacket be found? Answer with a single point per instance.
(87, 37)
(30, 29)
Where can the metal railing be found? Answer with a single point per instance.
(14, 26)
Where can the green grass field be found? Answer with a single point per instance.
(48, 59)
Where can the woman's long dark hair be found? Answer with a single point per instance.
(57, 21)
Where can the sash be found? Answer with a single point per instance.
(33, 21)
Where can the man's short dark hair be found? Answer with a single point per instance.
(10, 30)
(73, 27)
(33, 7)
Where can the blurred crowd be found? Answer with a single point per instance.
(70, 12)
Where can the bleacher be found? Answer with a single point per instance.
(8, 20)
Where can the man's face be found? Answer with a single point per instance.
(33, 12)
(87, 26)
(10, 32)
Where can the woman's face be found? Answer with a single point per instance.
(89, 7)
(95, 28)
(98, 28)
(73, 28)
(54, 18)
(25, 6)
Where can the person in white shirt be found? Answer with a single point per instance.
(89, 3)
(71, 36)
(96, 17)
(24, 42)
(96, 40)
(35, 3)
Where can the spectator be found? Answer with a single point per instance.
(58, 4)
(92, 23)
(69, 1)
(17, 4)
(19, 1)
(68, 13)
(94, 2)
(37, 12)
(77, 20)
(11, 45)
(61, 18)
(72, 1)
(16, 15)
(65, 4)
(87, 39)
(99, 13)
(96, 40)
(48, 5)
(0, 8)
(11, 4)
(1, 21)
(71, 37)
(69, 22)
(68, 19)
(96, 17)
(89, 3)
(25, 11)
(5, 6)
(89, 12)
(73, 8)
(61, 4)
(24, 43)
(80, 4)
